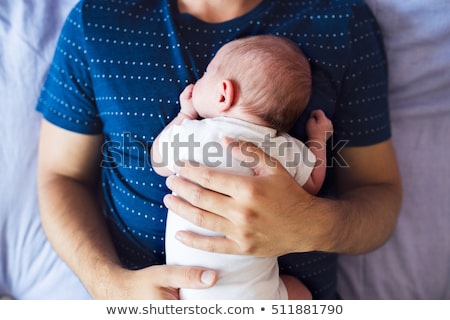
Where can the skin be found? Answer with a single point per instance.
(69, 206)
(242, 207)
(216, 11)
(357, 222)
(213, 95)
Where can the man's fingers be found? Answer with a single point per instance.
(211, 179)
(206, 243)
(200, 195)
(252, 156)
(167, 276)
(196, 215)
(225, 182)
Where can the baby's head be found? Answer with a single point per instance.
(271, 78)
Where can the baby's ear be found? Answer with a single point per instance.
(226, 95)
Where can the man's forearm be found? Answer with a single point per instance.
(362, 219)
(370, 194)
(72, 220)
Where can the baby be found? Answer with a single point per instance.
(254, 89)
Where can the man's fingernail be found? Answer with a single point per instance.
(169, 181)
(208, 277)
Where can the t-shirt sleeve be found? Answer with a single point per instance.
(362, 116)
(67, 97)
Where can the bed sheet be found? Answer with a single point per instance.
(415, 262)
(29, 268)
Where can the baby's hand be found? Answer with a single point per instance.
(319, 127)
(187, 107)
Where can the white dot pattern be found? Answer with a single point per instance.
(119, 68)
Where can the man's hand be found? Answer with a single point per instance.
(257, 214)
(159, 282)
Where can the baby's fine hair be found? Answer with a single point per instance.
(272, 78)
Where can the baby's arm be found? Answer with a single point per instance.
(319, 129)
(187, 111)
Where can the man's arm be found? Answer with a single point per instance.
(68, 173)
(260, 218)
(370, 195)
